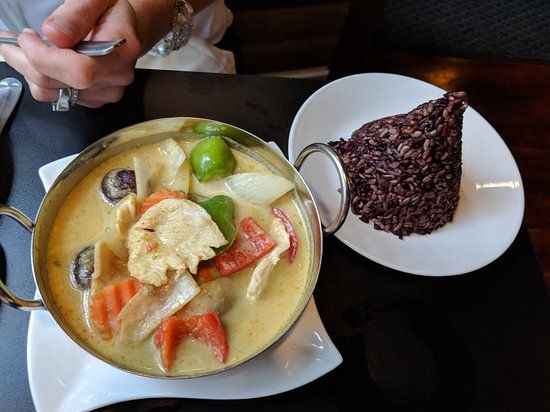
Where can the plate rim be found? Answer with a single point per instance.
(429, 273)
(335, 356)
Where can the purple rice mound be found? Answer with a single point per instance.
(405, 169)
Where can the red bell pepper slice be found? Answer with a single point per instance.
(252, 243)
(205, 275)
(204, 328)
(209, 330)
(167, 339)
(293, 249)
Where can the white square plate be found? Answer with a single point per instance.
(64, 377)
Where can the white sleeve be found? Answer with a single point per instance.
(197, 56)
(27, 13)
(212, 22)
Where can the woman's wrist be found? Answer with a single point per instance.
(181, 32)
(155, 18)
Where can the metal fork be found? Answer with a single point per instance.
(87, 48)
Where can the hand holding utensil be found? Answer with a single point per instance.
(63, 74)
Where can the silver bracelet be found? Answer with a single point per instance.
(182, 29)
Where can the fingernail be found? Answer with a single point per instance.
(29, 31)
(62, 26)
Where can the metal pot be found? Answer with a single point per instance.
(149, 132)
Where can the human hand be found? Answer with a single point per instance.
(100, 80)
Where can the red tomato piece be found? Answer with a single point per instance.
(252, 243)
(293, 249)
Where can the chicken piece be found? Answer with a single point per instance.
(174, 234)
(125, 215)
(214, 297)
(261, 273)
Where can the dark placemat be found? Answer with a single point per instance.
(477, 341)
(494, 29)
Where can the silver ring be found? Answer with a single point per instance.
(68, 97)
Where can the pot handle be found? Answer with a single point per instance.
(342, 176)
(6, 295)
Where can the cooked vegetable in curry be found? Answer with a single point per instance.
(179, 257)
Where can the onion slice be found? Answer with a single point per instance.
(147, 309)
(258, 188)
(176, 170)
(113, 238)
(143, 174)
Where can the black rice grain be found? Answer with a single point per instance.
(405, 169)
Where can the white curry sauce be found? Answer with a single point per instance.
(250, 327)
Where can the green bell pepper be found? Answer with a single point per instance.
(217, 129)
(222, 211)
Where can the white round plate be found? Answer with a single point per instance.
(490, 210)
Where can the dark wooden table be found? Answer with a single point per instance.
(515, 98)
(478, 341)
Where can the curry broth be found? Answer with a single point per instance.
(81, 222)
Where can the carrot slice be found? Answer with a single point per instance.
(113, 300)
(205, 328)
(157, 197)
(107, 304)
(252, 242)
(128, 289)
(99, 316)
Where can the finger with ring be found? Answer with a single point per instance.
(67, 98)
